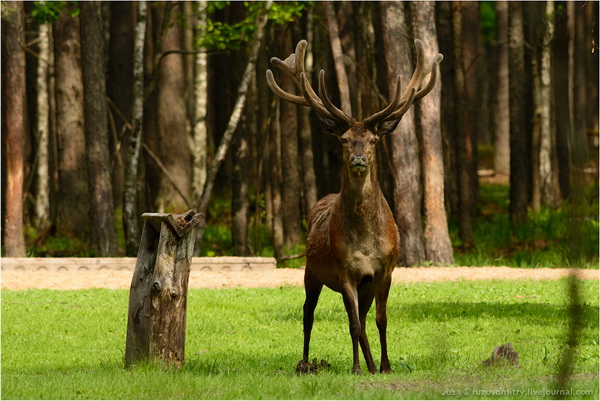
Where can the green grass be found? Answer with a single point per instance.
(244, 343)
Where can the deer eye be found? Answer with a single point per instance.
(344, 141)
(374, 141)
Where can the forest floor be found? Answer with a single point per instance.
(112, 279)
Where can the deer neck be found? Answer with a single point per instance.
(360, 197)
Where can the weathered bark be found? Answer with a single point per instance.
(233, 120)
(501, 113)
(405, 159)
(131, 187)
(13, 126)
(463, 142)
(338, 58)
(156, 320)
(438, 247)
(104, 238)
(42, 192)
(276, 184)
(72, 212)
(519, 166)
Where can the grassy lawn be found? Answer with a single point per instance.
(244, 344)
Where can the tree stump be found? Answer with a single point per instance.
(158, 296)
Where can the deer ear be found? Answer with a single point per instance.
(331, 126)
(386, 127)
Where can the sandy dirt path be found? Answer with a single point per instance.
(19, 280)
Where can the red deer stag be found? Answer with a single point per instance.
(353, 241)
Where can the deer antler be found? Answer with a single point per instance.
(401, 103)
(294, 67)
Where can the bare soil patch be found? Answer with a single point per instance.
(111, 279)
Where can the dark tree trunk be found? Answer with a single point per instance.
(463, 140)
(104, 239)
(13, 126)
(240, 204)
(560, 53)
(519, 165)
(291, 189)
(472, 62)
(72, 214)
(438, 247)
(118, 86)
(444, 29)
(405, 160)
(276, 183)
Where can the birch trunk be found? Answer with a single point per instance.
(199, 152)
(233, 122)
(131, 221)
(42, 193)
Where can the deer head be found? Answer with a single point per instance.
(358, 138)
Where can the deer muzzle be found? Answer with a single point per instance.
(358, 164)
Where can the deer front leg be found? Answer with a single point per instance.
(351, 303)
(313, 288)
(382, 291)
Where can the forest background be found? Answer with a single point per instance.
(113, 109)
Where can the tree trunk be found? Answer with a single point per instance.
(338, 57)
(577, 70)
(240, 202)
(472, 62)
(42, 193)
(501, 113)
(291, 189)
(72, 212)
(131, 218)
(463, 140)
(405, 159)
(438, 247)
(104, 238)
(119, 88)
(200, 133)
(233, 121)
(276, 184)
(550, 193)
(519, 166)
(13, 126)
(560, 77)
(173, 150)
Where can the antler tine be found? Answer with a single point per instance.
(420, 65)
(283, 94)
(405, 106)
(339, 114)
(381, 115)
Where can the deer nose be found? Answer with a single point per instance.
(358, 163)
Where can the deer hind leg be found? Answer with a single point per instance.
(382, 292)
(366, 293)
(313, 288)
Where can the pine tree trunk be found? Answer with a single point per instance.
(131, 218)
(72, 212)
(438, 247)
(519, 166)
(42, 193)
(13, 127)
(501, 113)
(463, 142)
(104, 238)
(407, 193)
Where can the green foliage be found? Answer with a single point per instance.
(230, 36)
(49, 11)
(487, 13)
(244, 344)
